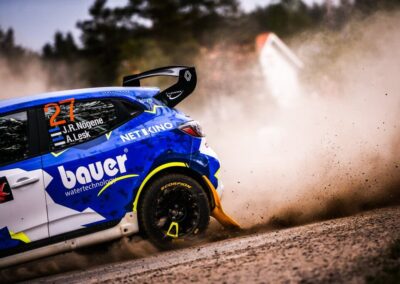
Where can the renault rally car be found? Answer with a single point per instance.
(86, 166)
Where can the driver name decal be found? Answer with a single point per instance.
(82, 125)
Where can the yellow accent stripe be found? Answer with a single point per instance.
(114, 181)
(20, 236)
(59, 153)
(151, 174)
(217, 174)
(171, 227)
(108, 135)
(154, 110)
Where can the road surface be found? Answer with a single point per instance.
(353, 249)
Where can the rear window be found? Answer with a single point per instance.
(13, 137)
(70, 122)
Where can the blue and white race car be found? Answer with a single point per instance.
(86, 166)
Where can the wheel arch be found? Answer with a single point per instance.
(182, 168)
(175, 168)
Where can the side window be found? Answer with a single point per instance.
(71, 122)
(127, 110)
(13, 137)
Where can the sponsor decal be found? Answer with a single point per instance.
(94, 172)
(144, 132)
(174, 184)
(87, 187)
(174, 95)
(5, 191)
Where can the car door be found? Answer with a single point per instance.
(23, 215)
(78, 134)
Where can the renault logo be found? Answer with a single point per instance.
(188, 75)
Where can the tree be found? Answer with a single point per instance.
(369, 6)
(148, 33)
(285, 17)
(179, 28)
(174, 21)
(64, 48)
(8, 48)
(102, 38)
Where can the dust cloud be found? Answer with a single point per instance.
(123, 249)
(333, 151)
(29, 75)
(27, 80)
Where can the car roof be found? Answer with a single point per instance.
(131, 93)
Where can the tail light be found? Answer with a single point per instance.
(192, 128)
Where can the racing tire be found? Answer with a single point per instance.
(174, 211)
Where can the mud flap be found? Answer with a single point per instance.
(218, 213)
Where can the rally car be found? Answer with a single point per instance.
(86, 166)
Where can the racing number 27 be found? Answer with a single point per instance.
(57, 108)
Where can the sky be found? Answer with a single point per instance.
(35, 21)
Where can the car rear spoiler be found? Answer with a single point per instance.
(174, 94)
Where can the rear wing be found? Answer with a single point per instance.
(174, 94)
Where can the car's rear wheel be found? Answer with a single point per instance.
(174, 211)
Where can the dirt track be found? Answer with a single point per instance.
(340, 250)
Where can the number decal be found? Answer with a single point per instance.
(71, 108)
(53, 118)
(53, 122)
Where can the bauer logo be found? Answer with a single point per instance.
(93, 172)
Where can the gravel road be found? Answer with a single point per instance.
(341, 250)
